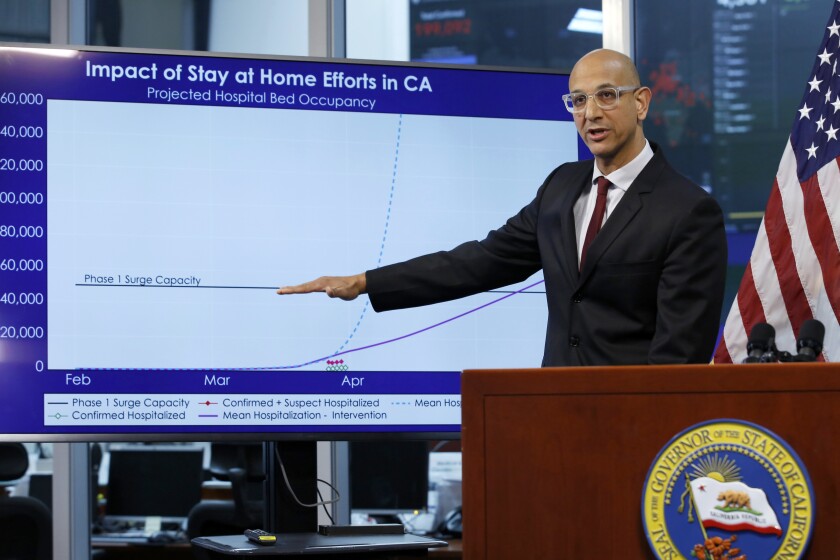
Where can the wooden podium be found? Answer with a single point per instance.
(555, 460)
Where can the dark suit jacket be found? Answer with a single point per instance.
(651, 289)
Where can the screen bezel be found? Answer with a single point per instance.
(303, 435)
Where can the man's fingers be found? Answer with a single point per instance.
(344, 287)
(318, 285)
(333, 286)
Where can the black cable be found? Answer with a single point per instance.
(336, 495)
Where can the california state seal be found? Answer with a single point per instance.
(728, 490)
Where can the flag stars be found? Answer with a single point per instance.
(821, 123)
(796, 171)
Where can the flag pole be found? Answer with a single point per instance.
(693, 505)
(699, 519)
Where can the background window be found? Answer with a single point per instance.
(250, 26)
(727, 78)
(529, 33)
(25, 21)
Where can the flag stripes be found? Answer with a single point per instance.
(794, 271)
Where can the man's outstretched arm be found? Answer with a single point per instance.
(344, 287)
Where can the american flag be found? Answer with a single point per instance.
(794, 270)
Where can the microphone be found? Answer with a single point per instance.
(762, 341)
(810, 341)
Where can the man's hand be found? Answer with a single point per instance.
(344, 287)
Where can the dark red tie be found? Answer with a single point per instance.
(597, 216)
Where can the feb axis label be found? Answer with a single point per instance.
(728, 490)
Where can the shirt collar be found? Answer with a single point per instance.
(623, 177)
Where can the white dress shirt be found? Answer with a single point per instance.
(621, 180)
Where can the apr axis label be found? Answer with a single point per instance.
(728, 490)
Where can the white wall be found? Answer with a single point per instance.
(260, 26)
(377, 29)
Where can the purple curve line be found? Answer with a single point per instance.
(424, 329)
(277, 368)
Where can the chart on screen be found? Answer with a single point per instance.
(170, 232)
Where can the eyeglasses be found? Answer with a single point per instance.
(605, 98)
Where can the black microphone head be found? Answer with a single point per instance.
(762, 331)
(762, 337)
(811, 335)
(762, 340)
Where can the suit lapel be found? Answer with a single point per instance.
(623, 214)
(568, 236)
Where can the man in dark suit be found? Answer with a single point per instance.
(633, 254)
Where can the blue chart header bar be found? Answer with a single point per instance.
(289, 84)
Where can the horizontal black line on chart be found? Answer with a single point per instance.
(168, 286)
(351, 350)
(254, 288)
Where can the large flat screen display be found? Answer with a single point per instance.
(152, 202)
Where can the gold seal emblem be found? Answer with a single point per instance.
(728, 490)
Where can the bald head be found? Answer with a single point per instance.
(614, 62)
